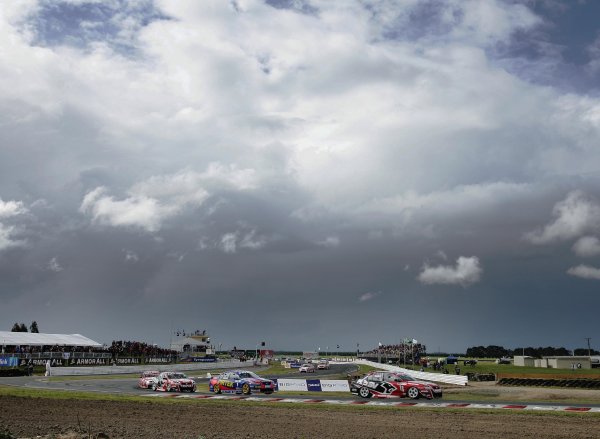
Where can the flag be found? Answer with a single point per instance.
(380, 344)
(414, 341)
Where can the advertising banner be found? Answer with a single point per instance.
(9, 361)
(312, 385)
(335, 386)
(158, 360)
(266, 353)
(121, 361)
(292, 385)
(203, 360)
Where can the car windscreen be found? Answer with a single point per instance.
(406, 377)
(248, 375)
(177, 376)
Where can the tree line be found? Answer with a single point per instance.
(493, 351)
(20, 327)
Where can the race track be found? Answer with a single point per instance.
(128, 386)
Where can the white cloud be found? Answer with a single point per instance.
(369, 296)
(330, 242)
(6, 237)
(466, 272)
(252, 241)
(585, 272)
(135, 211)
(575, 215)
(587, 246)
(131, 256)
(10, 209)
(229, 243)
(159, 198)
(54, 265)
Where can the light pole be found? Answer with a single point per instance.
(589, 349)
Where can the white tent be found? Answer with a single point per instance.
(35, 339)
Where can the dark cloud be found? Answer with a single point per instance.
(342, 175)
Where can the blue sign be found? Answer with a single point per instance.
(9, 362)
(313, 385)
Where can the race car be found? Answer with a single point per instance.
(385, 384)
(323, 364)
(174, 382)
(147, 378)
(308, 368)
(240, 381)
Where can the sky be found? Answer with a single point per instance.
(308, 173)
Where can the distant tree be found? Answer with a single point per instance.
(584, 351)
(19, 327)
(34, 327)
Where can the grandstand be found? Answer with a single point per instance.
(38, 345)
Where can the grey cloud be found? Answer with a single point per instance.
(585, 272)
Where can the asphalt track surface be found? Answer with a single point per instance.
(128, 386)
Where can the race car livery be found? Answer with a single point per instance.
(240, 381)
(384, 384)
(148, 378)
(174, 382)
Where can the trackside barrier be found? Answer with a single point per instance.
(459, 380)
(292, 385)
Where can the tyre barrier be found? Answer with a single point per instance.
(474, 376)
(580, 383)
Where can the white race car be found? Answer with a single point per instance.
(174, 382)
(148, 378)
(308, 368)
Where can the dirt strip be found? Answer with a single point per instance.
(74, 419)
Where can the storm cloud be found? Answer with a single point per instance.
(254, 167)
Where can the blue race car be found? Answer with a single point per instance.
(240, 381)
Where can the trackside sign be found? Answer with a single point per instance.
(334, 386)
(9, 361)
(312, 385)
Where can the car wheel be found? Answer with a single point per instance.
(154, 387)
(246, 389)
(193, 389)
(364, 392)
(268, 392)
(216, 389)
(413, 393)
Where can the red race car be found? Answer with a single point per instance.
(174, 382)
(148, 378)
(385, 384)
